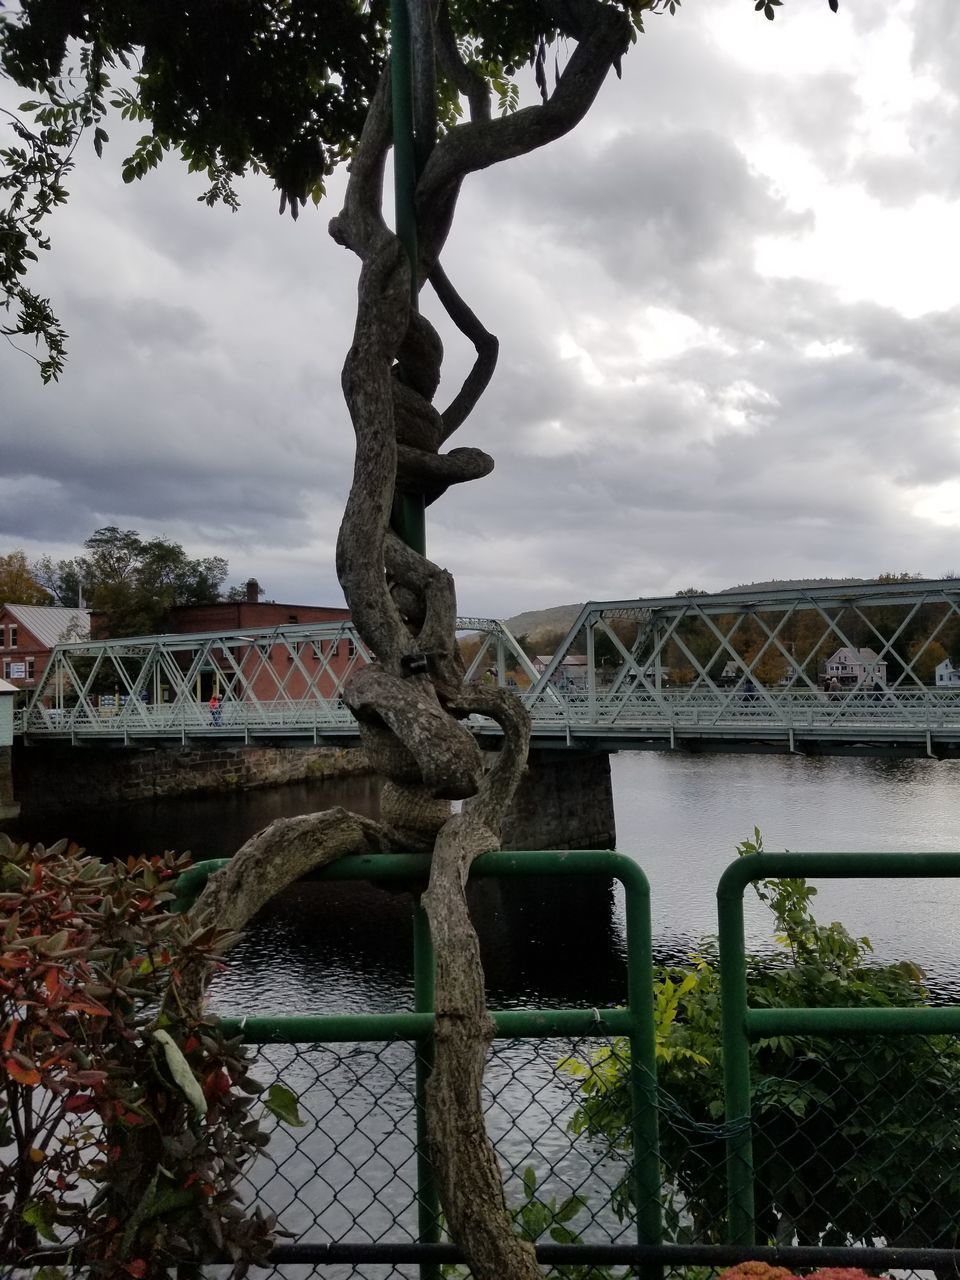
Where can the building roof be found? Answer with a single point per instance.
(51, 623)
(864, 655)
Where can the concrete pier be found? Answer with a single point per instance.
(565, 801)
(8, 805)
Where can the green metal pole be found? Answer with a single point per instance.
(428, 1198)
(643, 1069)
(409, 521)
(741, 1212)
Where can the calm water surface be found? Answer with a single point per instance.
(347, 947)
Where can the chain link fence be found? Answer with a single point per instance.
(349, 1175)
(832, 1137)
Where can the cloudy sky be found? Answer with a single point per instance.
(729, 315)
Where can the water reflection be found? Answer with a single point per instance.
(344, 947)
(682, 817)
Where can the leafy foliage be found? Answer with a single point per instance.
(17, 583)
(132, 581)
(538, 1217)
(855, 1137)
(128, 1123)
(275, 88)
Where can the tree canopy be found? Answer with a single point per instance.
(281, 89)
(17, 582)
(134, 582)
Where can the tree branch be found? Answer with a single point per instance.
(485, 344)
(463, 77)
(605, 35)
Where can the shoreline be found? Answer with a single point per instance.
(63, 778)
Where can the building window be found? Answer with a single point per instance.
(12, 636)
(351, 649)
(30, 668)
(6, 668)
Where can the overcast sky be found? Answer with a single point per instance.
(728, 309)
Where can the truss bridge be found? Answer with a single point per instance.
(854, 668)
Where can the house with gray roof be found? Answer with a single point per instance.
(28, 634)
(856, 668)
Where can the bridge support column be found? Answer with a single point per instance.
(565, 801)
(8, 806)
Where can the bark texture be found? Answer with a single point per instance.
(412, 700)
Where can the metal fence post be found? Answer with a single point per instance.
(643, 1069)
(428, 1200)
(741, 1212)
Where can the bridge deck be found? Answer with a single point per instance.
(739, 670)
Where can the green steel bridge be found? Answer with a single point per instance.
(859, 668)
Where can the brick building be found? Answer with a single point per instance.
(28, 633)
(267, 669)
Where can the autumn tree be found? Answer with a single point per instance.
(292, 90)
(17, 582)
(134, 582)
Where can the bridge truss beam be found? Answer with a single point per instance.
(745, 670)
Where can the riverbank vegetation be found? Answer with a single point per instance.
(126, 1122)
(855, 1136)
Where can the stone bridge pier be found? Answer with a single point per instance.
(565, 801)
(8, 805)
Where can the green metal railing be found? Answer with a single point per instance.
(743, 1023)
(635, 1021)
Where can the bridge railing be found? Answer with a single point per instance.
(574, 710)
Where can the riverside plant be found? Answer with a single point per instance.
(126, 1121)
(854, 1136)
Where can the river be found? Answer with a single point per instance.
(339, 948)
(346, 947)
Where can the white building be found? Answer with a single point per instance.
(948, 676)
(852, 668)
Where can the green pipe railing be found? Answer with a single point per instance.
(409, 517)
(635, 1021)
(741, 1024)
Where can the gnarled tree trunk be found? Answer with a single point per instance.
(411, 702)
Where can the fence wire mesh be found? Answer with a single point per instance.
(847, 1151)
(349, 1175)
(858, 1142)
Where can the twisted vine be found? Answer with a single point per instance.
(412, 700)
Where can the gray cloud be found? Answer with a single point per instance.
(663, 415)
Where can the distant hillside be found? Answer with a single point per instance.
(796, 584)
(540, 622)
(536, 623)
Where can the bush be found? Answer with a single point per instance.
(126, 1123)
(856, 1138)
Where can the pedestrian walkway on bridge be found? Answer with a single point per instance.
(852, 668)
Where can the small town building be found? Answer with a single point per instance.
(260, 667)
(28, 634)
(250, 613)
(572, 668)
(854, 668)
(947, 675)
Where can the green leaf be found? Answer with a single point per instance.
(283, 1104)
(530, 1181)
(570, 1208)
(179, 1068)
(39, 1214)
